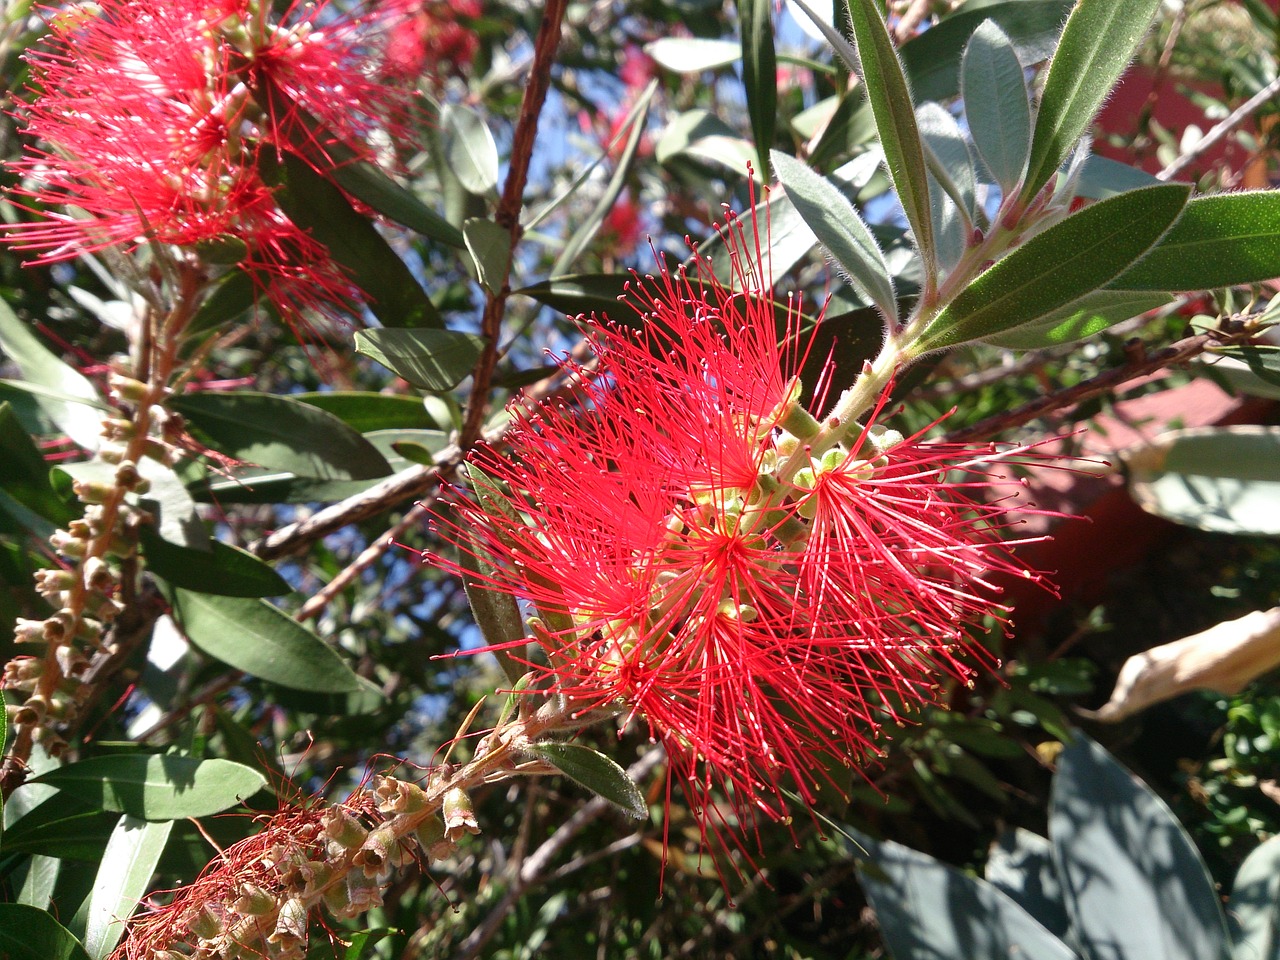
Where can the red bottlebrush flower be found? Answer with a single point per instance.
(760, 604)
(153, 114)
(428, 38)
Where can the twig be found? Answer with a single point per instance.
(1233, 120)
(405, 485)
(508, 214)
(536, 864)
(367, 558)
(1135, 367)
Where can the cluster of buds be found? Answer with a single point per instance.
(85, 587)
(259, 897)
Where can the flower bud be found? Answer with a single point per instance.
(399, 796)
(253, 901)
(459, 817)
(204, 923)
(291, 924)
(343, 829)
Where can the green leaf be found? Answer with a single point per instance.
(68, 397)
(61, 826)
(584, 294)
(1053, 269)
(1084, 318)
(224, 570)
(490, 249)
(1219, 241)
(280, 433)
(430, 359)
(233, 297)
(156, 786)
(701, 135)
(394, 295)
(835, 222)
(995, 103)
(1223, 479)
(27, 933)
(633, 125)
(693, 54)
(1020, 864)
(596, 772)
(929, 910)
(1254, 908)
(1254, 370)
(1134, 884)
(890, 98)
(1101, 177)
(24, 475)
(364, 412)
(469, 149)
(39, 881)
(947, 156)
(933, 58)
(495, 610)
(1097, 43)
(254, 636)
(123, 880)
(759, 74)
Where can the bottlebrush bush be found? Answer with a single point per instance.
(294, 316)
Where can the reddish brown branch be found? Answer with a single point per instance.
(1137, 364)
(508, 214)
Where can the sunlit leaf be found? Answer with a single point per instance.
(430, 359)
(254, 636)
(596, 772)
(280, 433)
(123, 879)
(1053, 269)
(995, 103)
(156, 786)
(1097, 43)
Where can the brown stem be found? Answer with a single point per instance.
(1135, 366)
(508, 213)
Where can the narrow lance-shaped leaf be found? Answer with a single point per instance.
(1133, 882)
(64, 385)
(596, 772)
(996, 104)
(359, 178)
(490, 249)
(430, 359)
(1097, 43)
(254, 636)
(1054, 268)
(1219, 241)
(1084, 318)
(496, 612)
(891, 103)
(123, 879)
(157, 786)
(319, 207)
(947, 155)
(470, 149)
(27, 933)
(928, 909)
(282, 434)
(836, 223)
(633, 125)
(759, 74)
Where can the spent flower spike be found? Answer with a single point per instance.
(152, 118)
(695, 565)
